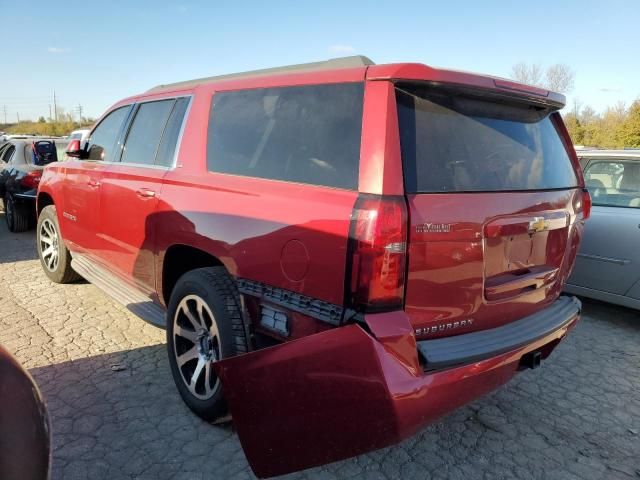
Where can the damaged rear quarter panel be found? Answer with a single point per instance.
(311, 401)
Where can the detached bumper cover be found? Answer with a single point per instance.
(343, 392)
(461, 349)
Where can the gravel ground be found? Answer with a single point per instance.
(116, 413)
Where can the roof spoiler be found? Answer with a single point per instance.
(416, 72)
(334, 63)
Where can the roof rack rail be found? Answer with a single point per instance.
(342, 62)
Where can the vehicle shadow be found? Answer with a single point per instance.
(119, 415)
(12, 245)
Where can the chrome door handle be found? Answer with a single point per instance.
(145, 193)
(93, 183)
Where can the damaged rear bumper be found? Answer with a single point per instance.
(343, 392)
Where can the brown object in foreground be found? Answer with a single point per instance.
(24, 424)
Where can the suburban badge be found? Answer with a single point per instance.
(443, 327)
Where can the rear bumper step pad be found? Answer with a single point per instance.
(472, 347)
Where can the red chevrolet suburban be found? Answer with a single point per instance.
(340, 252)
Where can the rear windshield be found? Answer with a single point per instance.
(46, 152)
(454, 143)
(42, 152)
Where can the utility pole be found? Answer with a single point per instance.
(49, 111)
(79, 113)
(5, 113)
(55, 106)
(18, 115)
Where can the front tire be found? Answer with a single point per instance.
(204, 325)
(17, 215)
(54, 255)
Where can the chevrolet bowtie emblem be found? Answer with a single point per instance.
(538, 224)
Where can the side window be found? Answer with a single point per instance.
(61, 151)
(28, 153)
(307, 134)
(614, 183)
(102, 143)
(168, 144)
(146, 131)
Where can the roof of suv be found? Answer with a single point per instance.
(397, 71)
(334, 63)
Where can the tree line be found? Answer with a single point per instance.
(64, 125)
(617, 127)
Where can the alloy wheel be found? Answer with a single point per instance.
(196, 343)
(49, 245)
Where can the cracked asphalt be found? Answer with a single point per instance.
(116, 414)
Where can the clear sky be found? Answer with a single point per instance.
(94, 53)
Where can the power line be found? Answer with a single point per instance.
(55, 106)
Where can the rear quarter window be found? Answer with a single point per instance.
(306, 134)
(464, 144)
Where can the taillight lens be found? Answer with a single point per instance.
(31, 179)
(378, 253)
(586, 204)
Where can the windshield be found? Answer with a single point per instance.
(467, 144)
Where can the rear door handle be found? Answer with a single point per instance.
(93, 183)
(145, 193)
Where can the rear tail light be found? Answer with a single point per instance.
(586, 204)
(377, 253)
(31, 179)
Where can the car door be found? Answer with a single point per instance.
(130, 189)
(22, 167)
(609, 256)
(6, 153)
(80, 220)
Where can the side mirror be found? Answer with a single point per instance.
(73, 149)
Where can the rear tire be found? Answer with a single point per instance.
(54, 255)
(204, 324)
(17, 215)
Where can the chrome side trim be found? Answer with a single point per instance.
(178, 141)
(617, 261)
(26, 196)
(138, 165)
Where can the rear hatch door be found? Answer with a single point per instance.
(494, 199)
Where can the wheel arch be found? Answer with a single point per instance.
(179, 259)
(44, 199)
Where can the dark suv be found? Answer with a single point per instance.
(21, 164)
(341, 252)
